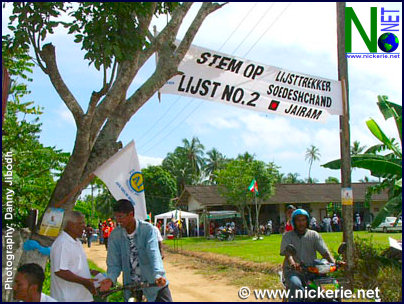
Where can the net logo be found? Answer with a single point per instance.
(386, 41)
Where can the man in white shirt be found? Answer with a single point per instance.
(70, 275)
(28, 284)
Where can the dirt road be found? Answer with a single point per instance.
(185, 284)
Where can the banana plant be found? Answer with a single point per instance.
(383, 160)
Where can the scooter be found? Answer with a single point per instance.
(225, 234)
(317, 276)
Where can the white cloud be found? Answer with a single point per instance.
(66, 116)
(270, 134)
(146, 161)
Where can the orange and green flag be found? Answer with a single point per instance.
(253, 186)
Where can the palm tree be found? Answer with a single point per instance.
(312, 154)
(215, 161)
(176, 163)
(246, 157)
(194, 153)
(292, 178)
(332, 180)
(356, 148)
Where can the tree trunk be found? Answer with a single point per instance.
(241, 209)
(99, 128)
(251, 227)
(12, 248)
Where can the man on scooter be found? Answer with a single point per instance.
(307, 242)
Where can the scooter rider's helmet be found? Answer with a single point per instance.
(299, 212)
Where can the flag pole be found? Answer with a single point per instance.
(256, 213)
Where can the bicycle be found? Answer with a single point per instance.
(135, 288)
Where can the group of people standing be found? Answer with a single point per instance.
(133, 249)
(328, 224)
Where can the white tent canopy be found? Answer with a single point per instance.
(176, 214)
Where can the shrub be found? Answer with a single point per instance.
(372, 269)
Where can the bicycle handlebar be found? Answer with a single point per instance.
(132, 287)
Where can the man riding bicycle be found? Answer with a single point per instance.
(307, 242)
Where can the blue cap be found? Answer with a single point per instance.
(299, 212)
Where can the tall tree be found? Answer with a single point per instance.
(233, 182)
(356, 148)
(214, 162)
(116, 40)
(194, 152)
(332, 180)
(160, 189)
(292, 178)
(312, 154)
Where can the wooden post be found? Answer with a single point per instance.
(347, 207)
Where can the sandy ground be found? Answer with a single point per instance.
(185, 284)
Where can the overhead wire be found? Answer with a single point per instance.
(201, 102)
(266, 31)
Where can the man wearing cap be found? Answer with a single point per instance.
(307, 242)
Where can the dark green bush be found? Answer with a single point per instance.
(372, 269)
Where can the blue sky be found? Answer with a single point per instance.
(300, 37)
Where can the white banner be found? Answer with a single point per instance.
(227, 79)
(121, 173)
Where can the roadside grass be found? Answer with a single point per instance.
(371, 268)
(267, 250)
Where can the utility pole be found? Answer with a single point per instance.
(346, 187)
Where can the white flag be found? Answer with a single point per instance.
(121, 173)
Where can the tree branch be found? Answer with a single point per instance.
(37, 52)
(49, 57)
(168, 59)
(206, 9)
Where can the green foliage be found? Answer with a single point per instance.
(234, 179)
(86, 208)
(107, 31)
(47, 281)
(291, 178)
(356, 148)
(160, 188)
(387, 166)
(213, 162)
(186, 163)
(103, 201)
(372, 269)
(332, 180)
(35, 167)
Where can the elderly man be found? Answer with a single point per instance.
(70, 275)
(28, 284)
(133, 249)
